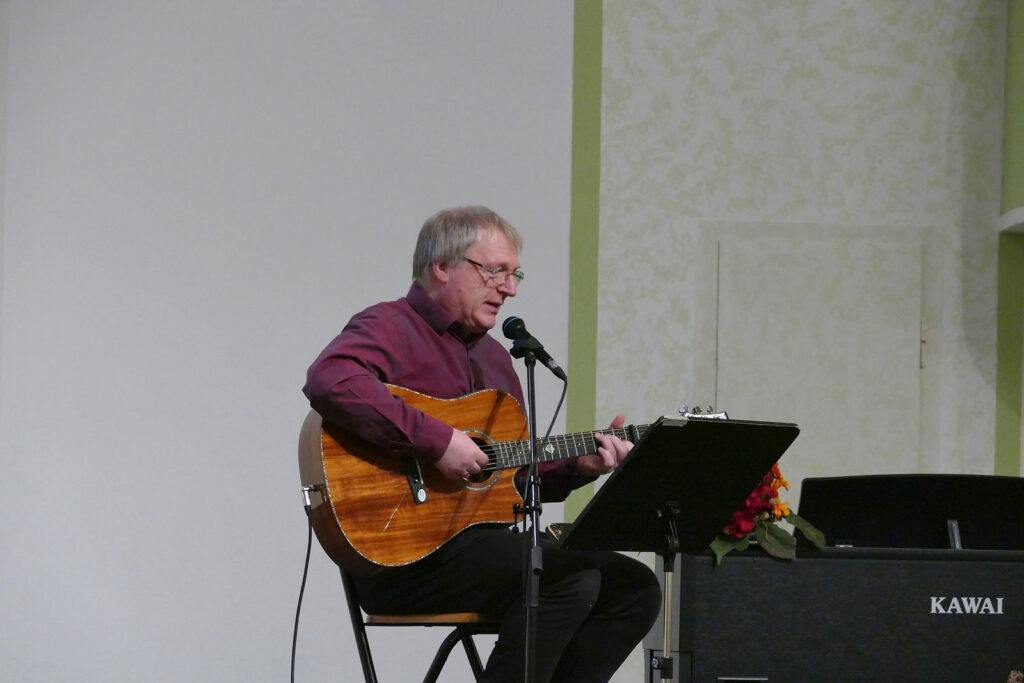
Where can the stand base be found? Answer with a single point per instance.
(661, 667)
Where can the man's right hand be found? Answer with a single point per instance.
(462, 459)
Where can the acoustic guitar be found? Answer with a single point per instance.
(374, 507)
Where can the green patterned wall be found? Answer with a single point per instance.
(1011, 256)
(829, 114)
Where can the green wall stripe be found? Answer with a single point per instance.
(1009, 346)
(1013, 113)
(581, 404)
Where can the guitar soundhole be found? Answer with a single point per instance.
(483, 479)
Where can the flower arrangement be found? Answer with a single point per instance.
(757, 520)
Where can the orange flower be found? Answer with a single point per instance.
(779, 508)
(777, 475)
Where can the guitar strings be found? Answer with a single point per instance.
(507, 454)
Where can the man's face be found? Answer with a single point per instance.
(471, 294)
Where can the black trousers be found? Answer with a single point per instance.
(594, 606)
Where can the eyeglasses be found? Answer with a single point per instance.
(498, 276)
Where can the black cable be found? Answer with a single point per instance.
(302, 590)
(558, 409)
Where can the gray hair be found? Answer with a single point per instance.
(448, 235)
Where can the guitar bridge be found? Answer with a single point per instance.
(415, 478)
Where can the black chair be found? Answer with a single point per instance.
(464, 626)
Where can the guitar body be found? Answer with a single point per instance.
(364, 508)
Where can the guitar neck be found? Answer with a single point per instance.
(513, 454)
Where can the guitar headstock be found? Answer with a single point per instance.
(698, 413)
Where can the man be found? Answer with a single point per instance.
(594, 606)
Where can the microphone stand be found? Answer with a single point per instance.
(533, 560)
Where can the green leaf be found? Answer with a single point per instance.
(772, 545)
(810, 532)
(725, 544)
(781, 535)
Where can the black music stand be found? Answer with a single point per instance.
(675, 491)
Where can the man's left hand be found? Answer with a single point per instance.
(610, 452)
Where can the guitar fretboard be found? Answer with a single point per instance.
(509, 454)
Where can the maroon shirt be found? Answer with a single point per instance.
(414, 343)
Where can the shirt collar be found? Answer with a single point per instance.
(435, 315)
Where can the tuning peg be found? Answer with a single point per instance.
(684, 409)
(710, 409)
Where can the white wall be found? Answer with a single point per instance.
(197, 196)
(4, 34)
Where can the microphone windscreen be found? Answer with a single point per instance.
(514, 328)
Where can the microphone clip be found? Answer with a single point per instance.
(525, 345)
(521, 347)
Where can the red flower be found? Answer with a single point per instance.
(740, 525)
(757, 504)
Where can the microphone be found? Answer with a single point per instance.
(515, 329)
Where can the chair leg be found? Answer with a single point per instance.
(459, 634)
(473, 656)
(365, 658)
(359, 629)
